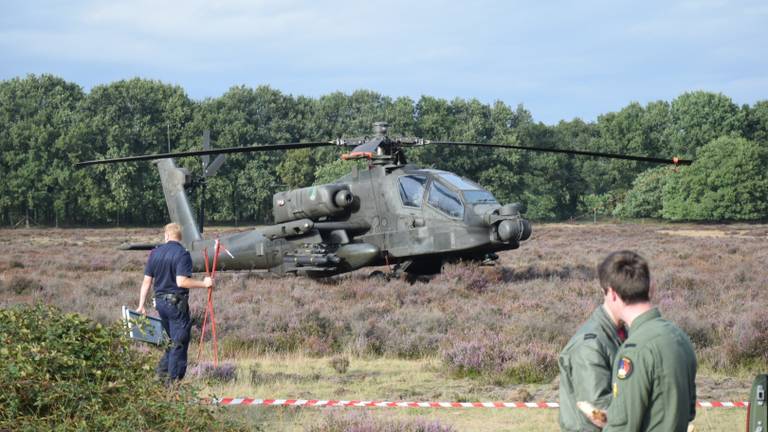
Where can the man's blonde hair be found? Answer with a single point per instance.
(173, 230)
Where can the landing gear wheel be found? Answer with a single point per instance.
(489, 259)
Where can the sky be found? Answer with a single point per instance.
(559, 59)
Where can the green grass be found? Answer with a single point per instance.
(295, 376)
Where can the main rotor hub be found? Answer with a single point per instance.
(380, 128)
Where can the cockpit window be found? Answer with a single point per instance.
(473, 194)
(412, 190)
(445, 200)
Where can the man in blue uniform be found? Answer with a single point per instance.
(170, 269)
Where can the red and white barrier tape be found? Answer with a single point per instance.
(385, 404)
(718, 404)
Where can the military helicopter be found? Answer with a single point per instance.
(392, 213)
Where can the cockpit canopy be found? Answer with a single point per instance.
(447, 192)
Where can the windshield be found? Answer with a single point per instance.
(479, 197)
(473, 194)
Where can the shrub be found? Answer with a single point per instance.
(340, 364)
(500, 358)
(728, 181)
(644, 200)
(601, 204)
(64, 372)
(307, 330)
(749, 340)
(23, 285)
(364, 422)
(410, 332)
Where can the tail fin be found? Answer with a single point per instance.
(174, 179)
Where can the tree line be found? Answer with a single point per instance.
(48, 124)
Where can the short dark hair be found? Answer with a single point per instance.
(627, 273)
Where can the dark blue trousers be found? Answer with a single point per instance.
(177, 324)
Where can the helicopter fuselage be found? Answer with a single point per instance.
(403, 215)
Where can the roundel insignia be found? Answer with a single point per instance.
(625, 368)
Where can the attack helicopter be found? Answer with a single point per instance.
(392, 213)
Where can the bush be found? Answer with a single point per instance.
(750, 339)
(499, 358)
(600, 204)
(728, 181)
(64, 372)
(644, 200)
(340, 364)
(319, 334)
(409, 332)
(307, 330)
(23, 285)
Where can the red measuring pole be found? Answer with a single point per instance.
(205, 316)
(209, 306)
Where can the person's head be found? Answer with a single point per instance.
(626, 274)
(172, 232)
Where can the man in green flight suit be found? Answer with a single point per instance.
(654, 373)
(586, 365)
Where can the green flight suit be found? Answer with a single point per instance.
(654, 386)
(586, 370)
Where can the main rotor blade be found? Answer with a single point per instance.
(211, 169)
(228, 150)
(206, 146)
(674, 161)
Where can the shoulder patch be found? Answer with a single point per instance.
(625, 368)
(588, 336)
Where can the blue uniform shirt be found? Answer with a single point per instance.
(165, 263)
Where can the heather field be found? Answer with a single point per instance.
(490, 333)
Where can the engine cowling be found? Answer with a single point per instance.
(311, 202)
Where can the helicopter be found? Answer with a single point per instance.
(392, 213)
